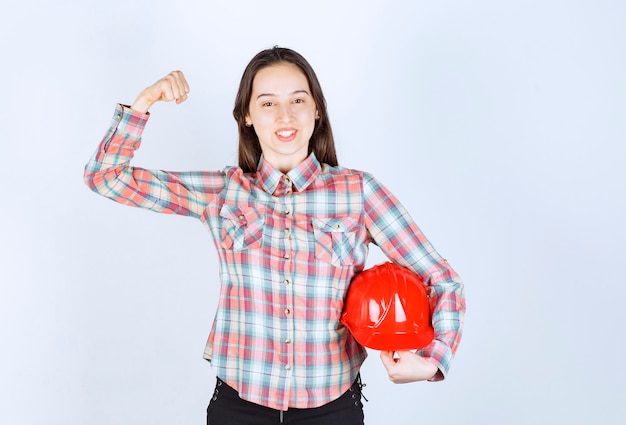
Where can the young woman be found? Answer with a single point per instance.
(292, 229)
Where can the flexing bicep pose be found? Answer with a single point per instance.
(292, 230)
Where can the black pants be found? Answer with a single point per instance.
(227, 408)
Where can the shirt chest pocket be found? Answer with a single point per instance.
(335, 240)
(242, 227)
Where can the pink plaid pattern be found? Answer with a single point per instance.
(289, 246)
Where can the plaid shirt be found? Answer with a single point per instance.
(288, 247)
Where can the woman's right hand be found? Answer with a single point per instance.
(171, 87)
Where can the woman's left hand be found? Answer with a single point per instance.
(407, 366)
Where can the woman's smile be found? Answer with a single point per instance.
(286, 135)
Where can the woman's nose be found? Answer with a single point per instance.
(284, 113)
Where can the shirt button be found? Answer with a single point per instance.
(288, 367)
(288, 341)
(288, 231)
(287, 180)
(287, 212)
(287, 282)
(286, 257)
(287, 312)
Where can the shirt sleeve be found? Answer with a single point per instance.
(395, 232)
(110, 174)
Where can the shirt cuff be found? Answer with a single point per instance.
(440, 355)
(128, 121)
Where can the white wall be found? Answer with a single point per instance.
(499, 124)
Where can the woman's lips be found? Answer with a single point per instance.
(286, 135)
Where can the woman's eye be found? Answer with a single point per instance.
(298, 101)
(268, 104)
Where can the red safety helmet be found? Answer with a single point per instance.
(387, 308)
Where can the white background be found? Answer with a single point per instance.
(499, 124)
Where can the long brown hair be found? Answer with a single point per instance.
(322, 142)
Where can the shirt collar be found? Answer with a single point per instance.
(301, 176)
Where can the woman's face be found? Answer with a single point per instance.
(283, 113)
